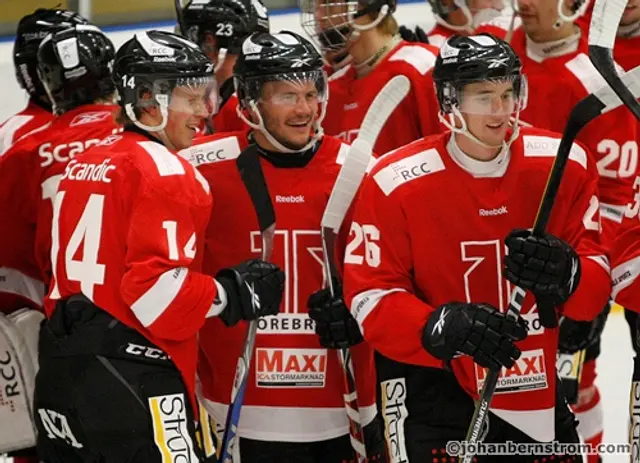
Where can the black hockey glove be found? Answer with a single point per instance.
(578, 335)
(478, 330)
(417, 36)
(546, 266)
(254, 289)
(335, 325)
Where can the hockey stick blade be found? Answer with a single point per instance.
(359, 153)
(602, 36)
(583, 113)
(250, 169)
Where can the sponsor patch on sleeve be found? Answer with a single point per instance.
(407, 169)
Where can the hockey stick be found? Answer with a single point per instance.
(180, 17)
(585, 111)
(248, 164)
(346, 185)
(602, 37)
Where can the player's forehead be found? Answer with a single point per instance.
(289, 85)
(192, 90)
(489, 86)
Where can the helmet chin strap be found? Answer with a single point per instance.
(450, 123)
(318, 130)
(222, 55)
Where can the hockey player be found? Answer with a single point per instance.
(82, 102)
(625, 50)
(75, 70)
(126, 299)
(31, 30)
(219, 27)
(550, 44)
(368, 31)
(461, 17)
(425, 274)
(293, 408)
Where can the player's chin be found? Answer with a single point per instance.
(185, 139)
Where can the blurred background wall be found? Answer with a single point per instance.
(103, 12)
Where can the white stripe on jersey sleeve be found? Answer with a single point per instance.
(152, 304)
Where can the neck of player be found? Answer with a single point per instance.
(472, 149)
(370, 48)
(563, 31)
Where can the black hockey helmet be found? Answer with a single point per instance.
(285, 56)
(75, 66)
(465, 60)
(331, 23)
(32, 28)
(266, 57)
(150, 65)
(227, 23)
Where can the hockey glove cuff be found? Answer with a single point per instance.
(335, 325)
(578, 335)
(254, 289)
(544, 265)
(478, 330)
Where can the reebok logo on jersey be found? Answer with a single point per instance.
(90, 118)
(350, 106)
(492, 212)
(410, 168)
(297, 199)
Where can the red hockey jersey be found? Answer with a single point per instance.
(227, 120)
(295, 389)
(17, 126)
(29, 174)
(414, 248)
(611, 138)
(128, 224)
(625, 257)
(439, 35)
(350, 98)
(626, 49)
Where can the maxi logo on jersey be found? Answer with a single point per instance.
(528, 373)
(291, 367)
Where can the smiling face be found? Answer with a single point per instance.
(631, 13)
(289, 109)
(487, 108)
(187, 110)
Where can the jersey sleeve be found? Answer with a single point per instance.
(160, 285)
(612, 140)
(583, 232)
(625, 257)
(377, 279)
